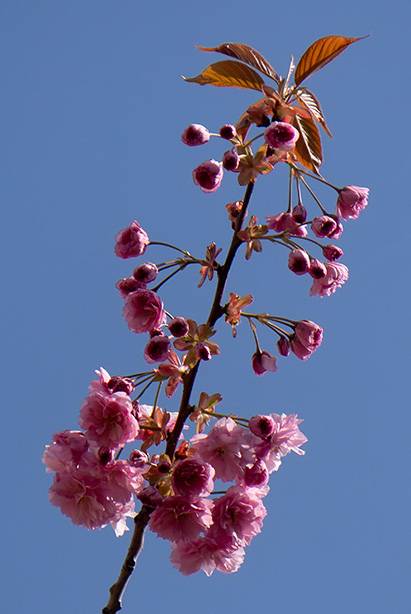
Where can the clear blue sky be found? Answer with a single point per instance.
(92, 108)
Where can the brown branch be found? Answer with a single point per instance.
(142, 519)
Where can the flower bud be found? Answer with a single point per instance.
(105, 455)
(157, 349)
(262, 426)
(231, 160)
(323, 226)
(145, 273)
(208, 175)
(299, 262)
(332, 252)
(131, 241)
(203, 351)
(281, 135)
(138, 459)
(178, 327)
(307, 338)
(195, 134)
(129, 284)
(284, 346)
(317, 269)
(228, 132)
(299, 213)
(351, 201)
(120, 384)
(263, 362)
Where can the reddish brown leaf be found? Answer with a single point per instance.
(246, 54)
(308, 147)
(228, 74)
(311, 102)
(320, 53)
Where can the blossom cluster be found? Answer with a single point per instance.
(94, 488)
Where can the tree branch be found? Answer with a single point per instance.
(142, 519)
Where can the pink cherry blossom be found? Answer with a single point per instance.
(129, 284)
(324, 226)
(144, 311)
(285, 221)
(195, 134)
(317, 268)
(193, 478)
(351, 201)
(281, 135)
(337, 275)
(226, 447)
(108, 419)
(231, 160)
(307, 338)
(256, 475)
(131, 241)
(286, 437)
(240, 513)
(332, 252)
(263, 361)
(208, 175)
(208, 554)
(178, 327)
(66, 451)
(180, 519)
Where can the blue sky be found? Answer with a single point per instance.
(92, 108)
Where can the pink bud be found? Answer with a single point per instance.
(129, 284)
(299, 213)
(145, 273)
(317, 269)
(138, 459)
(262, 426)
(131, 241)
(105, 455)
(120, 384)
(203, 352)
(323, 226)
(307, 338)
(157, 349)
(228, 132)
(298, 262)
(263, 362)
(332, 252)
(178, 327)
(231, 160)
(351, 201)
(195, 134)
(283, 346)
(281, 135)
(208, 175)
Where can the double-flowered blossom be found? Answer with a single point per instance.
(208, 175)
(144, 311)
(179, 518)
(209, 554)
(336, 276)
(351, 201)
(284, 437)
(226, 448)
(307, 338)
(193, 478)
(239, 513)
(108, 420)
(131, 241)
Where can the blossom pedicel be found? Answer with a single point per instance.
(200, 476)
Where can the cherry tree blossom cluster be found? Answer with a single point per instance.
(199, 476)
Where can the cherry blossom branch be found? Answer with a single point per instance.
(143, 517)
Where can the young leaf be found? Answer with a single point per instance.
(311, 102)
(228, 74)
(320, 53)
(308, 147)
(246, 54)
